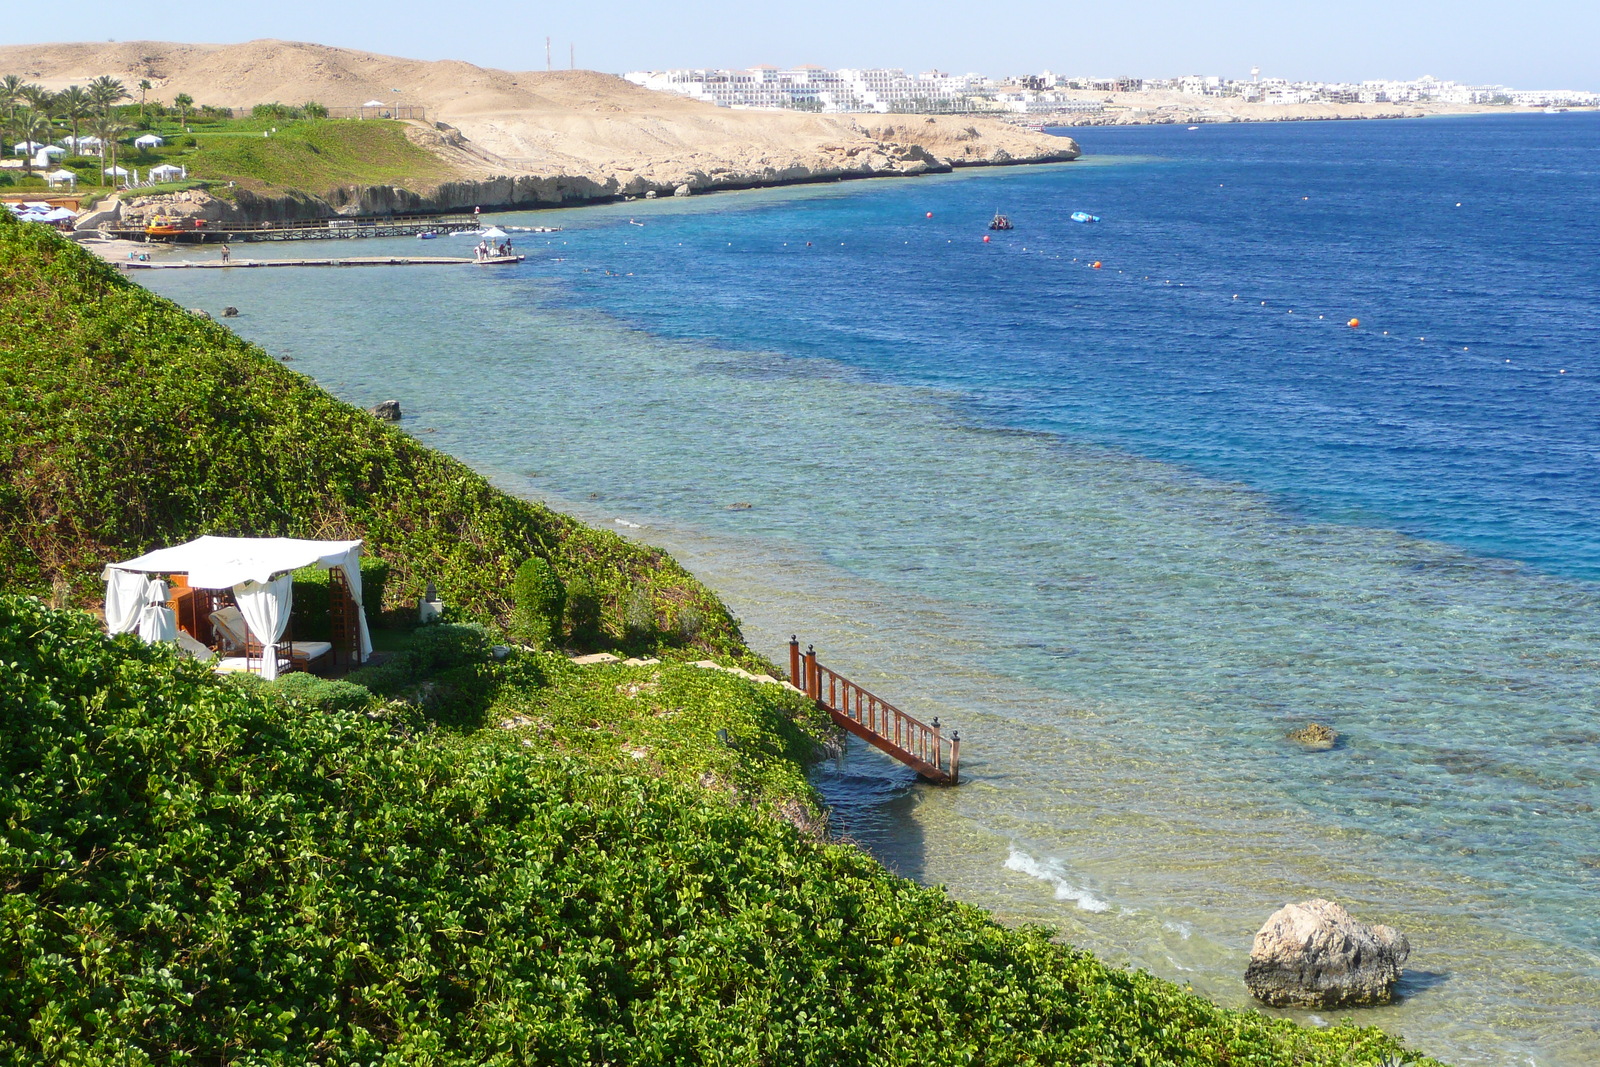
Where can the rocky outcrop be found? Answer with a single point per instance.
(1315, 735)
(388, 411)
(1315, 955)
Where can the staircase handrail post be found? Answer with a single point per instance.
(794, 661)
(938, 743)
(955, 756)
(813, 685)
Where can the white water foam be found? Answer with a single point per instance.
(1051, 872)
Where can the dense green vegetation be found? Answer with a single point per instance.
(312, 155)
(196, 872)
(448, 858)
(132, 423)
(275, 147)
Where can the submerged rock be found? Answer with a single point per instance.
(1316, 955)
(388, 411)
(1315, 735)
(230, 312)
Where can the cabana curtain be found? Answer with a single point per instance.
(255, 568)
(265, 607)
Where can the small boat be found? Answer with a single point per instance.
(163, 229)
(427, 235)
(1000, 222)
(1194, 127)
(1084, 216)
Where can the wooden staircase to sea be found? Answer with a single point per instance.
(919, 745)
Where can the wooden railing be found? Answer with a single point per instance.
(919, 745)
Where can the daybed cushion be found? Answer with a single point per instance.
(230, 622)
(190, 646)
(309, 649)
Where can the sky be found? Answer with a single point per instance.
(1530, 44)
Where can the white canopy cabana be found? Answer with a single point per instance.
(116, 172)
(149, 140)
(52, 150)
(256, 569)
(58, 177)
(26, 148)
(83, 142)
(167, 172)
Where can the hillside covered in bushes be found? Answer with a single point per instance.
(451, 858)
(131, 424)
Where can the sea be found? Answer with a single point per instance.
(1304, 429)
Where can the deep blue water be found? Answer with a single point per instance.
(1469, 249)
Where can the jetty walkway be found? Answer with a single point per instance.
(354, 261)
(921, 746)
(308, 229)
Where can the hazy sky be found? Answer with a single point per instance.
(1530, 44)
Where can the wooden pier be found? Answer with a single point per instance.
(919, 745)
(307, 229)
(356, 261)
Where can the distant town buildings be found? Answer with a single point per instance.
(809, 88)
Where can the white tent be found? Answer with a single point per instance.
(167, 172)
(256, 569)
(26, 148)
(494, 233)
(52, 150)
(116, 172)
(58, 177)
(149, 140)
(83, 142)
(55, 214)
(374, 103)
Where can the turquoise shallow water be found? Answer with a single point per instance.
(1124, 544)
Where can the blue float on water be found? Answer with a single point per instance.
(1084, 216)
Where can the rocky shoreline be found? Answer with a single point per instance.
(870, 157)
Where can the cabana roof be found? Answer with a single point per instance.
(224, 562)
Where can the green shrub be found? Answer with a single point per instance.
(390, 679)
(583, 612)
(540, 602)
(446, 645)
(327, 694)
(639, 614)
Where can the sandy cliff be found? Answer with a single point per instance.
(546, 137)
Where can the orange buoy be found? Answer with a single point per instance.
(1353, 323)
(1095, 264)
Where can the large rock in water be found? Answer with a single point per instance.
(1315, 955)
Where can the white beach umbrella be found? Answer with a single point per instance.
(116, 172)
(493, 233)
(373, 103)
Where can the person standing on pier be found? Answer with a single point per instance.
(226, 252)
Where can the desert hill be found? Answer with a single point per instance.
(577, 123)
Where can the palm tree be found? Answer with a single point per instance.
(33, 128)
(39, 99)
(105, 91)
(183, 102)
(75, 106)
(10, 92)
(108, 130)
(144, 87)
